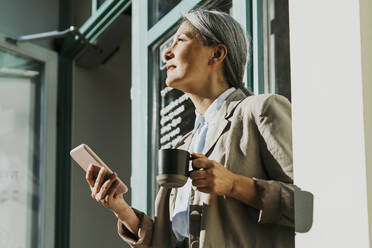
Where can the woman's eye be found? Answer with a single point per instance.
(179, 39)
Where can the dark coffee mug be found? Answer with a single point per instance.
(173, 167)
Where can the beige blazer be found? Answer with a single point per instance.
(253, 138)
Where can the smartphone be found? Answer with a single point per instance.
(85, 156)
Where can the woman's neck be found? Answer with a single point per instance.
(203, 101)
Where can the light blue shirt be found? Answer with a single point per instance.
(203, 123)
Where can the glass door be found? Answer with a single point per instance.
(26, 168)
(19, 150)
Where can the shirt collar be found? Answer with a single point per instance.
(211, 112)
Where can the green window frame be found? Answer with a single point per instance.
(102, 17)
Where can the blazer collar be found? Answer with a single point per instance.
(232, 101)
(226, 111)
(222, 123)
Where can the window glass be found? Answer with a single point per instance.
(19, 151)
(177, 113)
(159, 8)
(173, 113)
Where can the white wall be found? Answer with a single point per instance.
(328, 122)
(366, 41)
(101, 119)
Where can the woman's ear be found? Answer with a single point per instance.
(220, 52)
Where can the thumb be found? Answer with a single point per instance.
(197, 155)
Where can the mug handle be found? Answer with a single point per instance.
(193, 169)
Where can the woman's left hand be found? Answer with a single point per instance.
(214, 178)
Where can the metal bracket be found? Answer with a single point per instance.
(50, 35)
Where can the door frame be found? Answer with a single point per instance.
(48, 130)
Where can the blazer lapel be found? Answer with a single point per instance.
(185, 142)
(222, 123)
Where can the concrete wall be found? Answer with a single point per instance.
(80, 12)
(21, 17)
(101, 119)
(328, 118)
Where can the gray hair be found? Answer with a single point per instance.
(215, 27)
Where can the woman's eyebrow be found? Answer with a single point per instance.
(189, 34)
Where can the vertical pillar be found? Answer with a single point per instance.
(366, 43)
(139, 97)
(329, 132)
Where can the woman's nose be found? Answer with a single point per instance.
(168, 54)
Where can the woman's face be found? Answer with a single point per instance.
(187, 60)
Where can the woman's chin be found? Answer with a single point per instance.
(176, 84)
(170, 83)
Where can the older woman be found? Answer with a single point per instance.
(243, 197)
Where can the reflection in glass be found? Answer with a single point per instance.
(275, 43)
(19, 151)
(159, 8)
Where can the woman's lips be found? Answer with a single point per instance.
(171, 67)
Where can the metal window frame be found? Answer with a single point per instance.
(242, 12)
(141, 95)
(102, 17)
(257, 49)
(263, 69)
(48, 131)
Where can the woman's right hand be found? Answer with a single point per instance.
(104, 188)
